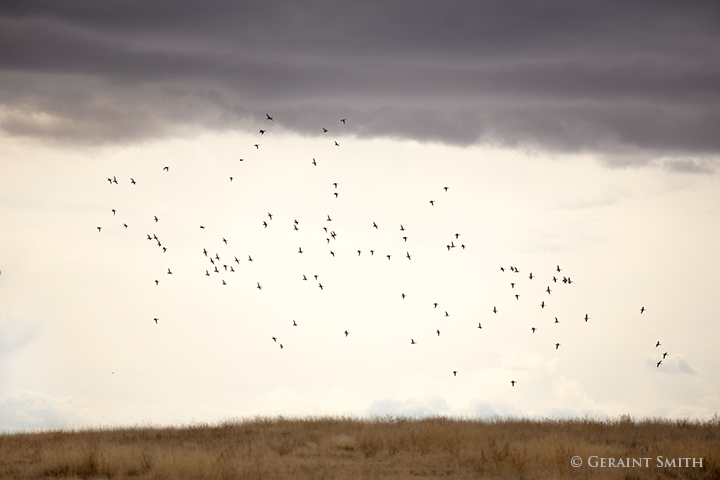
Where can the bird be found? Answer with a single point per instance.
(113, 211)
(388, 256)
(438, 332)
(533, 329)
(99, 229)
(542, 305)
(294, 324)
(347, 333)
(413, 342)
(257, 146)
(274, 339)
(225, 241)
(479, 325)
(658, 344)
(454, 373)
(337, 144)
(358, 253)
(332, 253)
(300, 250)
(281, 346)
(548, 290)
(270, 215)
(408, 256)
(432, 203)
(202, 226)
(587, 317)
(554, 279)
(207, 274)
(665, 354)
(402, 229)
(321, 286)
(335, 184)
(157, 282)
(115, 180)
(259, 287)
(559, 269)
(512, 285)
(169, 272)
(517, 297)
(329, 219)
(457, 235)
(531, 276)
(372, 252)
(304, 278)
(237, 261)
(642, 309)
(156, 320)
(156, 218)
(403, 296)
(262, 132)
(324, 129)
(314, 162)
(557, 345)
(269, 117)
(265, 224)
(166, 168)
(446, 313)
(223, 282)
(495, 310)
(132, 180)
(658, 363)
(435, 305)
(231, 179)
(556, 320)
(250, 258)
(375, 225)
(343, 120)
(125, 225)
(446, 188)
(513, 382)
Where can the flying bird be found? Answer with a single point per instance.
(347, 333)
(658, 344)
(337, 144)
(438, 332)
(432, 203)
(658, 363)
(166, 168)
(132, 181)
(557, 345)
(642, 309)
(413, 342)
(495, 310)
(454, 373)
(262, 132)
(259, 287)
(587, 317)
(408, 256)
(156, 320)
(294, 324)
(343, 120)
(269, 117)
(314, 162)
(513, 382)
(169, 272)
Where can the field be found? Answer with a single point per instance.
(383, 448)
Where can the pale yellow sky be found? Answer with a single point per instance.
(80, 347)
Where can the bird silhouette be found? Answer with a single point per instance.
(132, 181)
(413, 342)
(513, 382)
(314, 162)
(408, 256)
(169, 272)
(403, 296)
(658, 344)
(658, 363)
(542, 305)
(269, 117)
(438, 332)
(166, 168)
(454, 373)
(156, 320)
(347, 333)
(557, 345)
(432, 203)
(587, 317)
(533, 329)
(642, 309)
(479, 325)
(495, 310)
(259, 287)
(300, 250)
(294, 324)
(262, 132)
(665, 354)
(337, 144)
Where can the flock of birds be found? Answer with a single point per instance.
(221, 266)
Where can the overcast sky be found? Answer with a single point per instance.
(569, 134)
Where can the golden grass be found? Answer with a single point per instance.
(345, 448)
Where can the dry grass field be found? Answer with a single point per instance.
(390, 448)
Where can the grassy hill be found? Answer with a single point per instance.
(389, 448)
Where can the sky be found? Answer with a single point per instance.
(560, 139)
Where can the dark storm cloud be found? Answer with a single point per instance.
(632, 81)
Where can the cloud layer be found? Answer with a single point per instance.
(631, 82)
